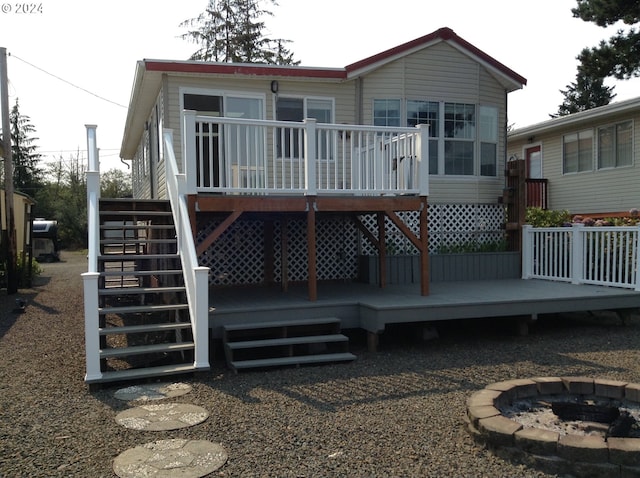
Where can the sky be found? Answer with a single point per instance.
(72, 62)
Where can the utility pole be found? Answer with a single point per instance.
(11, 246)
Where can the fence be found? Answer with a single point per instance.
(582, 255)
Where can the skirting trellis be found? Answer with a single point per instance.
(238, 256)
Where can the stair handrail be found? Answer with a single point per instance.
(196, 277)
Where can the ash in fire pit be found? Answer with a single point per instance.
(583, 417)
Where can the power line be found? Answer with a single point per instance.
(67, 82)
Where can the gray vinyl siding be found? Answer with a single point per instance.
(442, 73)
(595, 191)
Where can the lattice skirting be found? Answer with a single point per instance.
(238, 256)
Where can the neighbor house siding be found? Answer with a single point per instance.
(594, 191)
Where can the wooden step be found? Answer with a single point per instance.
(312, 339)
(135, 213)
(117, 256)
(135, 227)
(300, 360)
(282, 323)
(140, 373)
(137, 329)
(139, 290)
(146, 349)
(114, 273)
(141, 309)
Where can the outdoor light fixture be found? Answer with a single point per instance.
(274, 86)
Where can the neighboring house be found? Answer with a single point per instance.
(22, 206)
(586, 163)
(279, 175)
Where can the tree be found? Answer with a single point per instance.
(585, 93)
(115, 183)
(27, 176)
(232, 31)
(620, 55)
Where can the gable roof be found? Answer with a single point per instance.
(576, 119)
(148, 75)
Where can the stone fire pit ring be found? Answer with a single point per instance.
(578, 455)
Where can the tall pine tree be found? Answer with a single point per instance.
(583, 94)
(232, 31)
(27, 176)
(620, 55)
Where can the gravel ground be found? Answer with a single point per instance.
(395, 413)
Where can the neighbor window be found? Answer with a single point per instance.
(577, 152)
(615, 145)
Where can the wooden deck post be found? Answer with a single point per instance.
(382, 250)
(311, 248)
(424, 249)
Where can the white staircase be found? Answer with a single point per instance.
(144, 324)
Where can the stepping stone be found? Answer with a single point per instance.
(152, 391)
(162, 416)
(170, 458)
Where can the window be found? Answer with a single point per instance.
(386, 112)
(427, 112)
(289, 143)
(459, 138)
(615, 146)
(488, 140)
(577, 152)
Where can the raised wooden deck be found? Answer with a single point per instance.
(371, 308)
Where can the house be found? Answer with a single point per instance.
(286, 175)
(585, 163)
(22, 209)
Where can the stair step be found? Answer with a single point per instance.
(298, 360)
(135, 309)
(134, 213)
(131, 241)
(139, 373)
(137, 227)
(140, 273)
(312, 339)
(146, 349)
(116, 256)
(139, 290)
(283, 323)
(136, 329)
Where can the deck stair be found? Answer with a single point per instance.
(145, 329)
(284, 343)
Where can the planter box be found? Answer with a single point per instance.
(443, 267)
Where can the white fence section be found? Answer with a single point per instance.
(606, 256)
(196, 277)
(235, 155)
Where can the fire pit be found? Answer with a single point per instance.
(577, 425)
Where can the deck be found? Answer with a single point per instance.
(371, 308)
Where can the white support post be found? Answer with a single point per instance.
(93, 198)
(310, 180)
(577, 253)
(91, 326)
(201, 318)
(423, 159)
(189, 164)
(527, 251)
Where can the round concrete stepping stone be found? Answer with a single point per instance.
(170, 458)
(152, 391)
(162, 416)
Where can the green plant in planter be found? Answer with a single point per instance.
(538, 217)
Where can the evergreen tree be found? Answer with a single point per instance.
(620, 55)
(232, 31)
(27, 176)
(585, 93)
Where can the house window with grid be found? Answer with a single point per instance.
(577, 152)
(427, 112)
(386, 112)
(459, 138)
(289, 142)
(615, 145)
(488, 137)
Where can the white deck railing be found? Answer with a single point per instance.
(196, 277)
(579, 254)
(231, 155)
